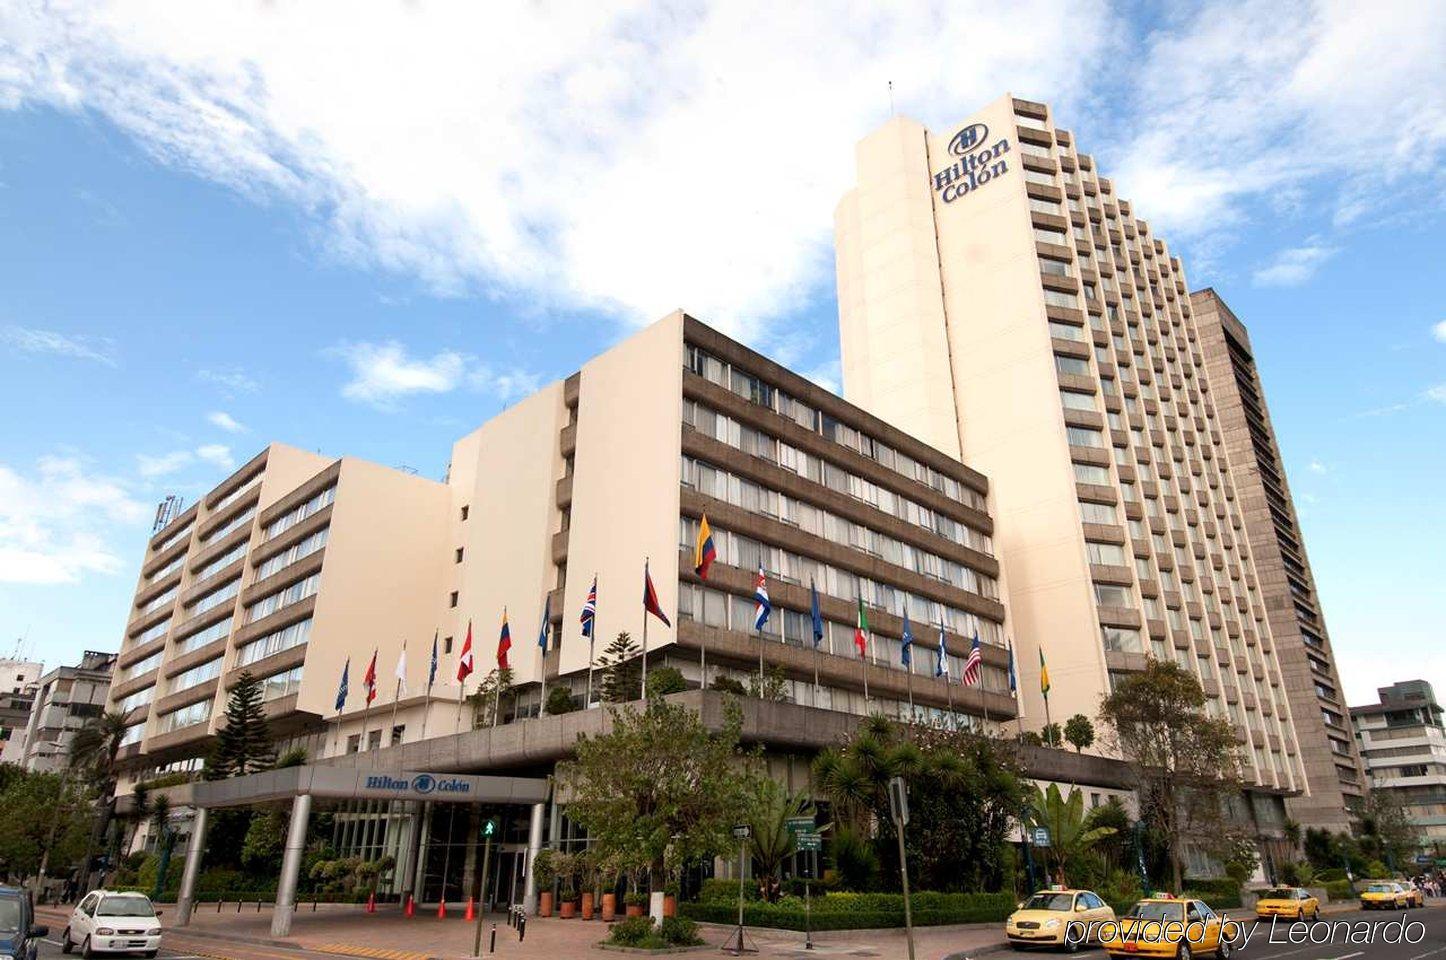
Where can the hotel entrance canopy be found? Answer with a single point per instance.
(363, 783)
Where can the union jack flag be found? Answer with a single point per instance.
(589, 609)
(974, 665)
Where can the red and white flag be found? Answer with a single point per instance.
(370, 680)
(464, 661)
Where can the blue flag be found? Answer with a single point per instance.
(817, 616)
(1013, 677)
(345, 685)
(546, 623)
(908, 653)
(432, 670)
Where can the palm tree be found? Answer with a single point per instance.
(1070, 834)
(773, 806)
(165, 841)
(93, 752)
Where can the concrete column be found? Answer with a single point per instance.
(534, 847)
(419, 876)
(291, 866)
(407, 855)
(197, 849)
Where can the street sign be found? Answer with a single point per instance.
(797, 825)
(808, 842)
(899, 801)
(742, 831)
(1041, 836)
(1423, 858)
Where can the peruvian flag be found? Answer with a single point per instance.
(464, 662)
(370, 679)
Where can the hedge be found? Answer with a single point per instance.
(1341, 889)
(861, 911)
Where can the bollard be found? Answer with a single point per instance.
(218, 906)
(258, 904)
(521, 927)
(238, 904)
(493, 947)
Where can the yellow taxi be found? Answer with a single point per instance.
(1384, 895)
(1293, 902)
(1414, 896)
(1057, 918)
(1167, 927)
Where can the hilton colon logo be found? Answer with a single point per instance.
(422, 784)
(975, 167)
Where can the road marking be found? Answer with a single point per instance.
(53, 943)
(1428, 953)
(1346, 956)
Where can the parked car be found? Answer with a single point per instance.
(1414, 896)
(1384, 895)
(19, 936)
(1294, 902)
(1044, 919)
(1166, 927)
(107, 921)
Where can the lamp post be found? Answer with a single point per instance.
(54, 821)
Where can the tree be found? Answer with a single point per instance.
(561, 700)
(770, 808)
(1079, 732)
(1051, 736)
(1184, 761)
(41, 811)
(621, 670)
(666, 680)
(243, 743)
(165, 841)
(658, 787)
(487, 701)
(93, 752)
(726, 684)
(1384, 832)
(1070, 834)
(772, 688)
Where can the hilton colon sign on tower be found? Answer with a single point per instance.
(974, 168)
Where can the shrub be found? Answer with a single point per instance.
(666, 680)
(1218, 893)
(560, 700)
(860, 911)
(729, 685)
(678, 932)
(717, 890)
(631, 932)
(1339, 889)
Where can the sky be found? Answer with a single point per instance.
(364, 228)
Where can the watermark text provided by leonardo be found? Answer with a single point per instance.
(1241, 933)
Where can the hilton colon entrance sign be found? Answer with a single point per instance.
(301, 784)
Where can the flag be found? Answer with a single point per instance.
(1013, 676)
(369, 679)
(908, 642)
(589, 609)
(941, 665)
(464, 659)
(704, 553)
(861, 631)
(341, 690)
(650, 599)
(546, 623)
(432, 668)
(974, 666)
(402, 669)
(504, 642)
(1043, 675)
(817, 615)
(760, 596)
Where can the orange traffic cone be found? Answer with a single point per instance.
(471, 914)
(411, 908)
(442, 910)
(372, 902)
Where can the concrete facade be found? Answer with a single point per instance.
(1402, 740)
(66, 699)
(1312, 684)
(997, 299)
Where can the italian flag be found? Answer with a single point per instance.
(861, 631)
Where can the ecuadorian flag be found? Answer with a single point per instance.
(704, 553)
(504, 643)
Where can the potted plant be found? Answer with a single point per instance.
(544, 871)
(587, 881)
(566, 866)
(635, 903)
(670, 899)
(607, 865)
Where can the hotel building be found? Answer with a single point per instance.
(1403, 743)
(1001, 303)
(1328, 753)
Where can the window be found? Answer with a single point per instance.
(152, 632)
(457, 557)
(1108, 554)
(298, 550)
(141, 667)
(1058, 298)
(201, 638)
(287, 637)
(1084, 437)
(241, 519)
(466, 508)
(197, 675)
(1121, 639)
(174, 539)
(282, 684)
(1074, 366)
(138, 699)
(185, 717)
(1112, 595)
(1098, 513)
(1078, 401)
(452, 599)
(1066, 331)
(1054, 268)
(216, 597)
(1092, 474)
(221, 562)
(284, 597)
(447, 643)
(297, 514)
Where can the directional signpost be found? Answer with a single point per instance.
(806, 839)
(736, 944)
(899, 810)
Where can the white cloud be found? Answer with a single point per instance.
(1439, 331)
(504, 384)
(31, 340)
(1436, 393)
(217, 454)
(224, 420)
(383, 373)
(54, 521)
(230, 380)
(1316, 466)
(627, 157)
(160, 465)
(1295, 265)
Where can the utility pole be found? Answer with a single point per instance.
(899, 810)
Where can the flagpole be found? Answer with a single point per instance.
(760, 663)
(336, 740)
(949, 689)
(646, 580)
(703, 663)
(591, 640)
(542, 691)
(910, 667)
(397, 697)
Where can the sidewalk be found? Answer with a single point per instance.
(348, 931)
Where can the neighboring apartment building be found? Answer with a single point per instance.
(1297, 623)
(66, 699)
(1000, 302)
(297, 563)
(18, 680)
(1403, 743)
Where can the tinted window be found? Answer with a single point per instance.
(1154, 910)
(126, 907)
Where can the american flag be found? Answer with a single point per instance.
(974, 664)
(589, 609)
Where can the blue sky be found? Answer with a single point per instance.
(365, 234)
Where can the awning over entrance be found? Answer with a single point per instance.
(359, 783)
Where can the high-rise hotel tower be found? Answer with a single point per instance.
(998, 301)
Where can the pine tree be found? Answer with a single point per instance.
(243, 745)
(622, 670)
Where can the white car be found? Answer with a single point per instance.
(107, 922)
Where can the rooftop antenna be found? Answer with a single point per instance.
(891, 99)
